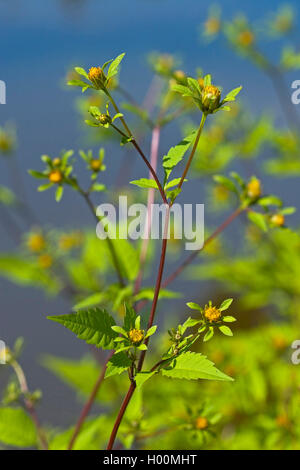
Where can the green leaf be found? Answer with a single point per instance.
(59, 193)
(225, 304)
(194, 306)
(44, 187)
(259, 220)
(207, 80)
(81, 71)
(225, 330)
(145, 183)
(91, 325)
(232, 94)
(209, 334)
(129, 318)
(119, 329)
(226, 182)
(114, 66)
(16, 428)
(190, 365)
(173, 183)
(176, 153)
(117, 364)
(37, 174)
(189, 323)
(148, 292)
(228, 319)
(79, 83)
(151, 331)
(269, 201)
(142, 377)
(91, 301)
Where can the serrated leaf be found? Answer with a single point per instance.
(16, 428)
(117, 364)
(129, 318)
(142, 377)
(193, 366)
(92, 325)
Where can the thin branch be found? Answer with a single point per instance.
(29, 403)
(151, 196)
(109, 242)
(87, 407)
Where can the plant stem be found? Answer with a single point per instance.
(151, 196)
(120, 415)
(138, 148)
(28, 403)
(87, 407)
(204, 116)
(109, 242)
(150, 323)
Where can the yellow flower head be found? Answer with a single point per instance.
(45, 261)
(36, 242)
(67, 242)
(212, 26)
(201, 423)
(95, 164)
(96, 76)
(211, 96)
(55, 176)
(283, 421)
(254, 188)
(212, 314)
(278, 220)
(246, 38)
(136, 335)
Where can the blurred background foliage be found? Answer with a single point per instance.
(256, 262)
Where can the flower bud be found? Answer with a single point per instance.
(278, 220)
(95, 164)
(254, 188)
(36, 242)
(104, 119)
(97, 77)
(211, 96)
(201, 423)
(55, 176)
(56, 161)
(246, 39)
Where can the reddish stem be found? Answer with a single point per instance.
(151, 196)
(87, 407)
